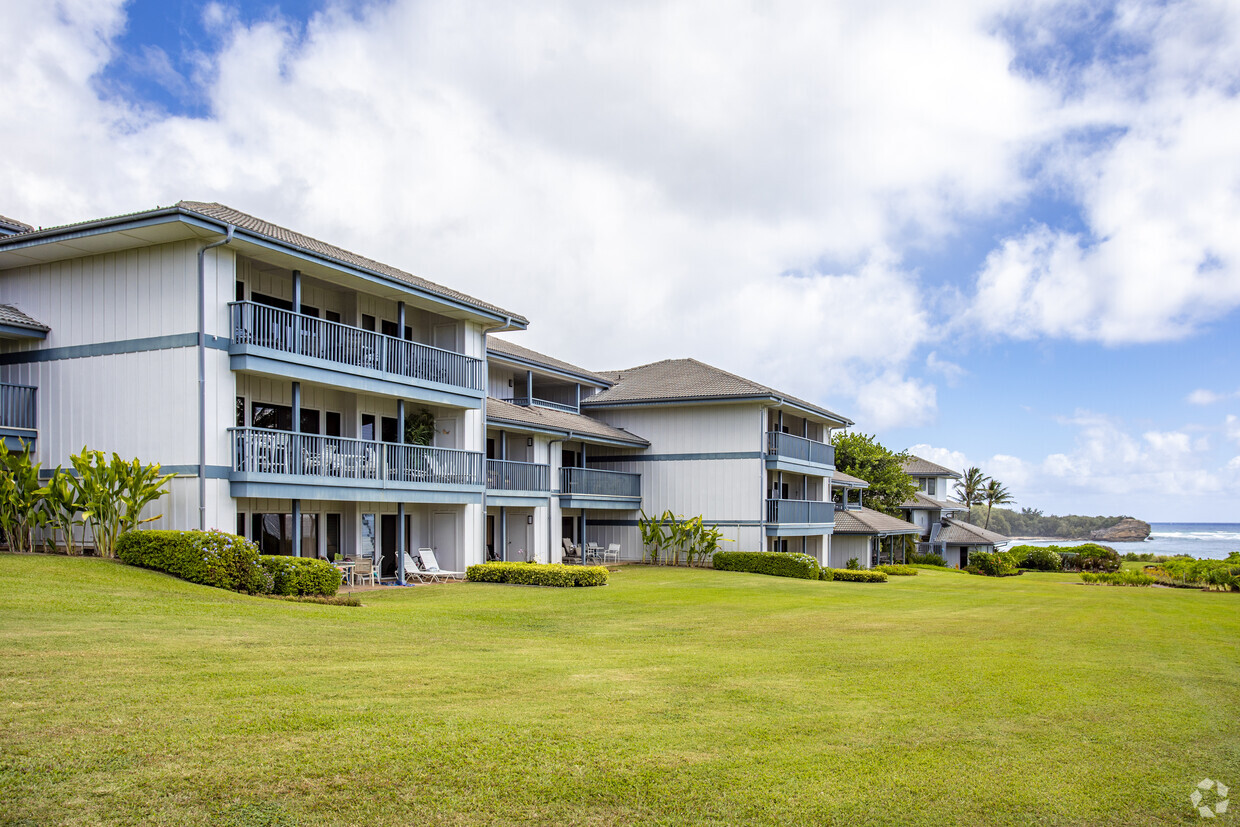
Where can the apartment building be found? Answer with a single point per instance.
(309, 398)
(935, 515)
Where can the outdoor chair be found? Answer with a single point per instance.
(431, 566)
(570, 550)
(413, 571)
(612, 555)
(593, 552)
(363, 571)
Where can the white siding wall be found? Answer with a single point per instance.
(846, 546)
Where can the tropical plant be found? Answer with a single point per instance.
(420, 428)
(971, 487)
(20, 513)
(995, 494)
(852, 564)
(113, 493)
(654, 536)
(862, 456)
(61, 504)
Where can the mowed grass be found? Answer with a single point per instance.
(668, 697)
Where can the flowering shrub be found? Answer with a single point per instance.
(1038, 558)
(212, 558)
(777, 563)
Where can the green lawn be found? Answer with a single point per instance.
(668, 697)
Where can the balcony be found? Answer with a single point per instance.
(268, 463)
(801, 514)
(593, 488)
(848, 506)
(527, 401)
(281, 342)
(787, 452)
(18, 415)
(506, 475)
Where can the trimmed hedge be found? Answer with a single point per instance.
(928, 560)
(897, 571)
(855, 575)
(776, 563)
(300, 576)
(537, 574)
(212, 558)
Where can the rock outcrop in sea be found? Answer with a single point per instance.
(1127, 530)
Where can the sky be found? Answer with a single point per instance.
(1000, 234)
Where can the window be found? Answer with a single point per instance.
(270, 301)
(389, 429)
(273, 417)
(333, 536)
(368, 427)
(240, 291)
(307, 310)
(367, 547)
(930, 486)
(368, 322)
(240, 411)
(491, 448)
(333, 423)
(309, 421)
(240, 524)
(408, 333)
(274, 533)
(332, 316)
(390, 329)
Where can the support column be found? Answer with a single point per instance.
(401, 543)
(529, 387)
(297, 311)
(583, 536)
(503, 534)
(578, 397)
(295, 449)
(296, 528)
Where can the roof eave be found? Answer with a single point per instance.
(500, 356)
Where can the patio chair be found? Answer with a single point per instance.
(365, 570)
(612, 554)
(570, 550)
(593, 552)
(414, 572)
(431, 566)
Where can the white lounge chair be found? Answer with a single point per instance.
(414, 572)
(431, 566)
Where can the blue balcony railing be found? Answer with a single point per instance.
(262, 451)
(799, 448)
(301, 335)
(526, 401)
(593, 482)
(800, 511)
(17, 406)
(507, 475)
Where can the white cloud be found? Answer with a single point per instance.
(1160, 257)
(637, 179)
(1202, 396)
(1231, 428)
(951, 372)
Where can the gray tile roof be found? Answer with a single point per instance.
(920, 500)
(689, 380)
(12, 316)
(12, 225)
(840, 478)
(918, 467)
(869, 521)
(503, 347)
(959, 533)
(220, 212)
(561, 421)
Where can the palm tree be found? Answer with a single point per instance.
(995, 494)
(969, 490)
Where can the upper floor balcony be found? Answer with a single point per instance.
(797, 516)
(508, 475)
(526, 401)
(788, 452)
(594, 488)
(18, 415)
(281, 342)
(283, 464)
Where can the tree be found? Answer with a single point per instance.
(995, 494)
(969, 490)
(862, 456)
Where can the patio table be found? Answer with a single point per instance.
(346, 569)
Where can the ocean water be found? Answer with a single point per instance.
(1203, 540)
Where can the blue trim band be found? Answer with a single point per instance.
(55, 354)
(19, 332)
(728, 523)
(214, 472)
(677, 457)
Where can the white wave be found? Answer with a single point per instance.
(1215, 536)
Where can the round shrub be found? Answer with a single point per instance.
(1093, 557)
(777, 563)
(300, 575)
(1042, 559)
(991, 564)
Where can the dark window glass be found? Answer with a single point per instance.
(368, 322)
(309, 421)
(240, 524)
(491, 448)
(408, 333)
(332, 316)
(272, 532)
(274, 417)
(333, 536)
(368, 427)
(389, 429)
(930, 483)
(389, 328)
(240, 411)
(240, 294)
(307, 310)
(270, 301)
(333, 423)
